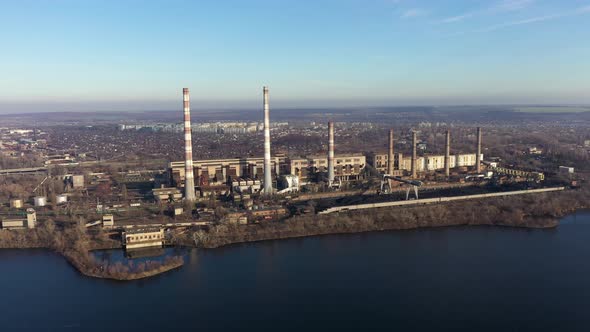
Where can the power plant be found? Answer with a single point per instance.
(267, 167)
(238, 178)
(189, 178)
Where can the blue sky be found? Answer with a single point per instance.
(131, 55)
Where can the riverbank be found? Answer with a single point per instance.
(74, 244)
(527, 211)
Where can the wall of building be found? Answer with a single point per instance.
(424, 163)
(346, 167)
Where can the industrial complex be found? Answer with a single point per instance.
(146, 206)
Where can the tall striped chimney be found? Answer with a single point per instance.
(448, 154)
(189, 177)
(390, 157)
(267, 165)
(478, 156)
(414, 154)
(330, 152)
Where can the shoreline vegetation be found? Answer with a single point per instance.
(75, 245)
(527, 211)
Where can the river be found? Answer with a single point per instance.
(458, 278)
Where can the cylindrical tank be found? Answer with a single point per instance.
(40, 201)
(16, 203)
(61, 199)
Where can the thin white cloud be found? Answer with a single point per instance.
(512, 5)
(579, 11)
(457, 18)
(413, 12)
(521, 22)
(502, 6)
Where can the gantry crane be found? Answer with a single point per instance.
(386, 187)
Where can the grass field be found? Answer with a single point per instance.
(553, 109)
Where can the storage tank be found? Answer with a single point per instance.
(61, 199)
(16, 203)
(40, 201)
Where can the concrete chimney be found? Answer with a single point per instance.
(478, 156)
(267, 165)
(414, 155)
(189, 177)
(390, 157)
(448, 154)
(330, 152)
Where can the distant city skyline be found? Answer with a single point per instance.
(134, 55)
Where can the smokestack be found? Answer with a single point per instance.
(390, 157)
(448, 154)
(330, 152)
(414, 155)
(478, 156)
(189, 177)
(267, 167)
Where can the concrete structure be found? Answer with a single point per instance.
(566, 170)
(164, 194)
(437, 200)
(330, 153)
(61, 199)
(448, 154)
(288, 183)
(39, 201)
(427, 163)
(143, 238)
(16, 203)
(29, 222)
(78, 181)
(108, 221)
(189, 187)
(390, 157)
(414, 155)
(246, 186)
(346, 166)
(267, 182)
(478, 154)
(178, 211)
(219, 171)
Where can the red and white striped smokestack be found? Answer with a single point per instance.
(390, 157)
(267, 165)
(330, 152)
(189, 177)
(414, 154)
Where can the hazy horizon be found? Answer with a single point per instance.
(118, 56)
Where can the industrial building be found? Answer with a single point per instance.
(218, 171)
(143, 238)
(164, 194)
(427, 163)
(346, 166)
(30, 221)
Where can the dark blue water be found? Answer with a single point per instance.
(462, 278)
